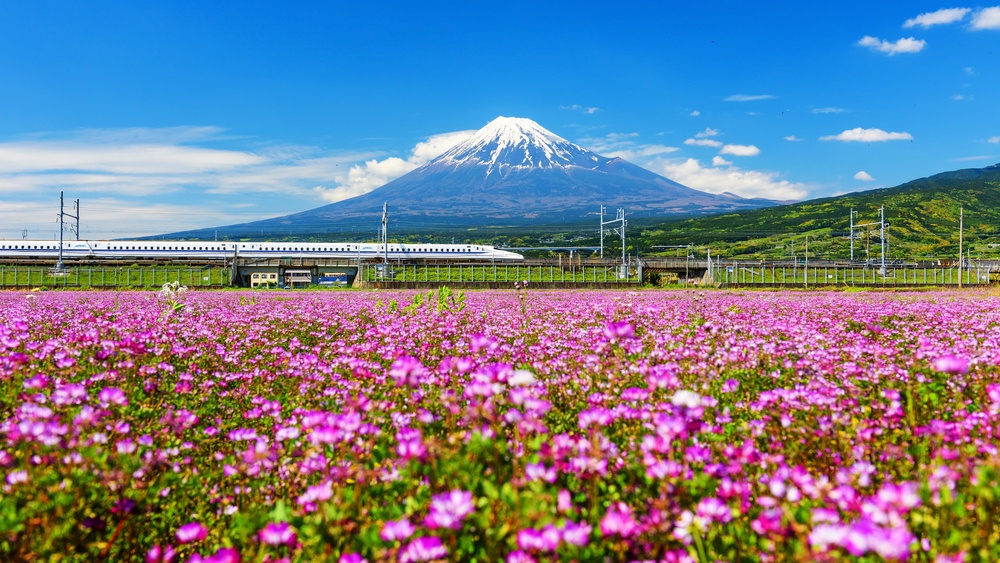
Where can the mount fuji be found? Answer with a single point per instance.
(511, 172)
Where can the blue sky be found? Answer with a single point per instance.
(162, 116)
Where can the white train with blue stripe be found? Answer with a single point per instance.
(201, 250)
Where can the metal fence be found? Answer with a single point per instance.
(757, 274)
(575, 274)
(112, 277)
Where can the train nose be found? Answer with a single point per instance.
(507, 255)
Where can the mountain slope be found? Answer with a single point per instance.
(923, 215)
(510, 172)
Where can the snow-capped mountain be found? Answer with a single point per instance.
(512, 171)
(515, 143)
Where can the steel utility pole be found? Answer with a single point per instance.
(881, 235)
(620, 220)
(961, 213)
(852, 234)
(805, 269)
(76, 230)
(62, 215)
(602, 232)
(624, 265)
(385, 237)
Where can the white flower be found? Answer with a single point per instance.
(685, 398)
(522, 378)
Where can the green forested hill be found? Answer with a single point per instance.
(923, 216)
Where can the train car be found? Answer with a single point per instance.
(198, 250)
(29, 249)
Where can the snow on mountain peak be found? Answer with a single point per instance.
(517, 142)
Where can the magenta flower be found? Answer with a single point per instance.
(546, 539)
(397, 530)
(277, 533)
(410, 444)
(597, 417)
(712, 509)
(191, 532)
(423, 549)
(157, 554)
(352, 558)
(449, 509)
(576, 534)
(519, 556)
(621, 330)
(564, 501)
(223, 555)
(407, 370)
(16, 477)
(538, 472)
(112, 396)
(618, 521)
(316, 493)
(951, 364)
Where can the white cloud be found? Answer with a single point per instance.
(740, 150)
(907, 45)
(118, 158)
(623, 145)
(118, 217)
(977, 157)
(993, 140)
(703, 143)
(695, 113)
(719, 161)
(585, 109)
(641, 151)
(708, 132)
(828, 110)
(987, 18)
(747, 98)
(745, 183)
(864, 176)
(137, 171)
(958, 97)
(970, 71)
(945, 16)
(867, 136)
(792, 138)
(363, 178)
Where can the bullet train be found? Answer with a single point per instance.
(190, 250)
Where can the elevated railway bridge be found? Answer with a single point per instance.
(559, 272)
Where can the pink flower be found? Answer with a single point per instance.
(597, 416)
(423, 549)
(618, 521)
(410, 444)
(564, 501)
(112, 396)
(621, 330)
(519, 556)
(449, 509)
(191, 532)
(546, 539)
(576, 534)
(316, 493)
(157, 554)
(407, 370)
(951, 364)
(277, 533)
(398, 530)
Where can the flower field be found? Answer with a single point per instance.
(499, 426)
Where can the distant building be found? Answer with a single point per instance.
(264, 279)
(298, 278)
